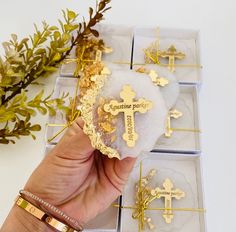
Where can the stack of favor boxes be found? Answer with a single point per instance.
(176, 157)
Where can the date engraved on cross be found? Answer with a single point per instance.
(128, 106)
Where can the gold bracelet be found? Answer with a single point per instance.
(42, 216)
(50, 209)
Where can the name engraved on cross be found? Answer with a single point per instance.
(128, 107)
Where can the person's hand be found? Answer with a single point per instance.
(78, 179)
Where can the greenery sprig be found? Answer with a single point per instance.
(29, 59)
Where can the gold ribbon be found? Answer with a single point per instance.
(75, 113)
(160, 64)
(186, 130)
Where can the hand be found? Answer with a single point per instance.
(78, 179)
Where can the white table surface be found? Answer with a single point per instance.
(217, 22)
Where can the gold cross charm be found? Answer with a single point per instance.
(171, 114)
(159, 81)
(168, 193)
(172, 54)
(128, 107)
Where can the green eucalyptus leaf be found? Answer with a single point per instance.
(61, 24)
(54, 45)
(69, 27)
(35, 128)
(66, 109)
(53, 28)
(22, 112)
(52, 112)
(56, 35)
(17, 99)
(42, 40)
(25, 133)
(33, 136)
(49, 68)
(29, 53)
(47, 33)
(71, 14)
(2, 92)
(56, 57)
(6, 115)
(62, 50)
(14, 37)
(66, 37)
(42, 110)
(90, 12)
(25, 40)
(39, 96)
(31, 112)
(40, 51)
(36, 39)
(19, 48)
(4, 141)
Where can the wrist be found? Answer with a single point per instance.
(20, 220)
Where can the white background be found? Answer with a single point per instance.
(216, 19)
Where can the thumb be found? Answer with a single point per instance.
(118, 171)
(75, 144)
(124, 167)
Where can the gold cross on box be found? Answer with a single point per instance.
(172, 54)
(157, 80)
(168, 193)
(171, 114)
(128, 106)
